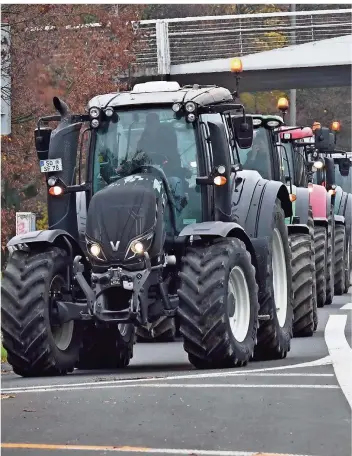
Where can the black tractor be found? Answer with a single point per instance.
(150, 217)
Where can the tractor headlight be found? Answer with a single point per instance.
(109, 112)
(94, 112)
(190, 106)
(95, 249)
(318, 164)
(139, 246)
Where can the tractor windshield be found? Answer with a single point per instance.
(151, 135)
(345, 182)
(257, 157)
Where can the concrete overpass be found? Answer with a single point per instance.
(199, 50)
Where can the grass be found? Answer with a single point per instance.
(3, 354)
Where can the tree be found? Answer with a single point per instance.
(70, 50)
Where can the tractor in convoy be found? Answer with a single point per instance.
(269, 157)
(334, 176)
(170, 225)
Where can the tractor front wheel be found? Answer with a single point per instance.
(218, 304)
(36, 343)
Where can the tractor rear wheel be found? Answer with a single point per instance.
(302, 278)
(348, 263)
(314, 275)
(330, 259)
(218, 304)
(36, 343)
(161, 330)
(107, 347)
(320, 263)
(340, 259)
(274, 335)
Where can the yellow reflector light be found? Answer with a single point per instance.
(220, 180)
(332, 192)
(292, 197)
(236, 66)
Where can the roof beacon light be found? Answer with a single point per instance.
(236, 65)
(335, 126)
(282, 104)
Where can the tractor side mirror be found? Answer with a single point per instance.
(344, 167)
(324, 140)
(42, 142)
(243, 131)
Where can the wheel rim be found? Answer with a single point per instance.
(279, 277)
(62, 333)
(239, 305)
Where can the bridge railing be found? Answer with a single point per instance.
(169, 42)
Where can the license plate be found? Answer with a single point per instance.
(50, 166)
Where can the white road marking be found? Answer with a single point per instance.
(347, 306)
(340, 352)
(133, 449)
(172, 385)
(319, 362)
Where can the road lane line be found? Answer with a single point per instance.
(133, 449)
(347, 306)
(340, 352)
(172, 385)
(316, 363)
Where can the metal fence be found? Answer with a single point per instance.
(175, 41)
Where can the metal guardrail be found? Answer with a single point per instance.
(175, 41)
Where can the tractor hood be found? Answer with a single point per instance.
(123, 212)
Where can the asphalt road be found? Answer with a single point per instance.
(161, 405)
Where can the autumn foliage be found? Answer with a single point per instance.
(72, 51)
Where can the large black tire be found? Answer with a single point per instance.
(34, 347)
(107, 347)
(162, 330)
(207, 304)
(314, 276)
(320, 240)
(340, 259)
(302, 278)
(348, 262)
(274, 339)
(330, 259)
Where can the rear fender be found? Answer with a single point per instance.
(221, 229)
(302, 205)
(318, 201)
(348, 211)
(338, 200)
(39, 240)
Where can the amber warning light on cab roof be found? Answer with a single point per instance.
(335, 126)
(236, 65)
(282, 104)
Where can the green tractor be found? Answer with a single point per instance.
(156, 218)
(272, 159)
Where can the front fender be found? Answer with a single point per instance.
(338, 200)
(273, 190)
(302, 204)
(318, 201)
(41, 238)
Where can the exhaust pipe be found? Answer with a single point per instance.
(61, 107)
